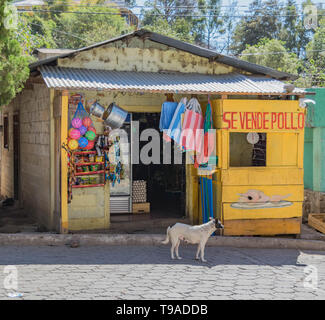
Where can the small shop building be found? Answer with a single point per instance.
(257, 180)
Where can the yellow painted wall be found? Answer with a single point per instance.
(282, 175)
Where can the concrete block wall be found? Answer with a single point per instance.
(7, 154)
(34, 110)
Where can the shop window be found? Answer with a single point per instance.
(247, 150)
(6, 132)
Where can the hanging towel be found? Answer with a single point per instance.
(166, 116)
(192, 128)
(209, 141)
(167, 113)
(175, 127)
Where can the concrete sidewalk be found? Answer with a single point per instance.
(51, 239)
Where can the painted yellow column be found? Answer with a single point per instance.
(64, 162)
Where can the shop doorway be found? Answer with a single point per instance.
(165, 182)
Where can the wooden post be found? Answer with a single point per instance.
(64, 162)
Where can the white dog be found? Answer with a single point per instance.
(191, 234)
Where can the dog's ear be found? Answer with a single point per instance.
(211, 218)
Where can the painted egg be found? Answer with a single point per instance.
(74, 134)
(83, 142)
(76, 123)
(90, 135)
(73, 144)
(87, 122)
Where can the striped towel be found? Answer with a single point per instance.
(175, 128)
(192, 131)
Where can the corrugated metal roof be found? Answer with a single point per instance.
(89, 79)
(180, 45)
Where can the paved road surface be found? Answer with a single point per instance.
(143, 272)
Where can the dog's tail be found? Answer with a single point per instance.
(167, 237)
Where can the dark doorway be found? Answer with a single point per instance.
(165, 182)
(16, 131)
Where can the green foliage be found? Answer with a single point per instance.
(316, 57)
(85, 29)
(261, 22)
(13, 62)
(170, 18)
(179, 30)
(210, 24)
(293, 32)
(60, 29)
(273, 54)
(34, 33)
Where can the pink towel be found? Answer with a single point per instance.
(192, 131)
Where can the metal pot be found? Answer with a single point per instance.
(115, 116)
(97, 110)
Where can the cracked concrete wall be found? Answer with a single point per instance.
(143, 55)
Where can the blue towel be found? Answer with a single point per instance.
(166, 116)
(175, 127)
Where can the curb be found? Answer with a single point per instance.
(41, 239)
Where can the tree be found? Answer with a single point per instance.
(210, 23)
(272, 53)
(180, 29)
(34, 32)
(263, 21)
(173, 18)
(293, 32)
(229, 24)
(67, 24)
(315, 64)
(83, 29)
(13, 62)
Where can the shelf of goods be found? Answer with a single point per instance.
(84, 163)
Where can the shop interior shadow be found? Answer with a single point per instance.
(165, 182)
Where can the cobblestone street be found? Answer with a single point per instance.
(142, 272)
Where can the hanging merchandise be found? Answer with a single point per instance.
(73, 144)
(90, 145)
(83, 130)
(167, 112)
(206, 188)
(86, 121)
(166, 115)
(76, 123)
(74, 133)
(92, 129)
(83, 142)
(113, 164)
(175, 126)
(115, 116)
(209, 141)
(90, 135)
(192, 128)
(80, 133)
